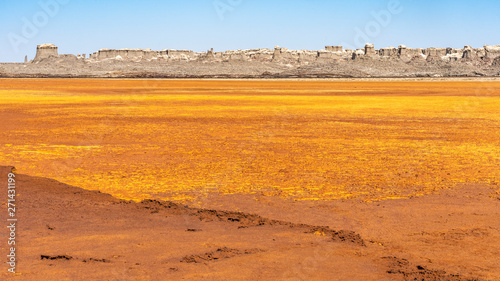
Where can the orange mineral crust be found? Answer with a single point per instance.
(180, 140)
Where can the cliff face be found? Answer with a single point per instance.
(302, 56)
(333, 61)
(45, 51)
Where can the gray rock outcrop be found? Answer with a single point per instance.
(492, 52)
(44, 51)
(333, 61)
(369, 50)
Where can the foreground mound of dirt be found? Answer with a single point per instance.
(67, 233)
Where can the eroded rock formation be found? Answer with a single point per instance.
(44, 51)
(282, 55)
(333, 61)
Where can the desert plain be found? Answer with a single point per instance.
(253, 179)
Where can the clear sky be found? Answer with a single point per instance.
(86, 26)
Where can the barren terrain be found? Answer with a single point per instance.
(266, 180)
(67, 233)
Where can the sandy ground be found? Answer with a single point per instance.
(67, 233)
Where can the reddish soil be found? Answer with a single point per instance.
(68, 233)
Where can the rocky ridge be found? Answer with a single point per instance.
(332, 62)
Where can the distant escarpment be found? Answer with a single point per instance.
(332, 62)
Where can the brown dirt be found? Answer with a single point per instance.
(67, 233)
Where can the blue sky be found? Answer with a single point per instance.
(87, 26)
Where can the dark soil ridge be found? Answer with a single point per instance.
(411, 271)
(245, 220)
(221, 253)
(237, 76)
